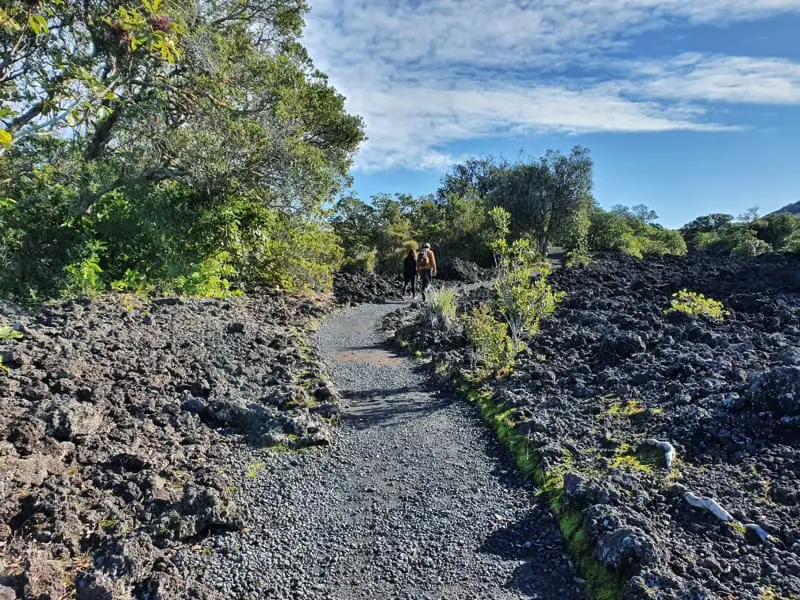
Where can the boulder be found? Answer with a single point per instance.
(626, 548)
(777, 390)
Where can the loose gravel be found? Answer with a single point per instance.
(415, 500)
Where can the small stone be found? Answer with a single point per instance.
(6, 593)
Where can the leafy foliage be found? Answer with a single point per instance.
(524, 296)
(181, 146)
(456, 226)
(489, 339)
(548, 198)
(632, 232)
(751, 236)
(695, 304)
(83, 277)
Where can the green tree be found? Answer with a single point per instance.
(161, 117)
(544, 197)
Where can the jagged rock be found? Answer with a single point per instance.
(76, 421)
(581, 492)
(6, 593)
(778, 390)
(359, 287)
(628, 547)
(162, 586)
(99, 586)
(624, 371)
(132, 557)
(789, 356)
(622, 344)
(104, 420)
(457, 269)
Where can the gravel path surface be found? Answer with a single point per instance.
(415, 500)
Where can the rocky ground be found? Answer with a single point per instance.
(611, 372)
(115, 416)
(357, 287)
(414, 501)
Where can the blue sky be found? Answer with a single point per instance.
(690, 107)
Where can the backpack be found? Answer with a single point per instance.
(423, 260)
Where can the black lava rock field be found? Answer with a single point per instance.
(115, 416)
(614, 387)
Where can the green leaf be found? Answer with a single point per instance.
(5, 138)
(38, 24)
(7, 22)
(8, 333)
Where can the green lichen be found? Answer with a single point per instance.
(254, 470)
(630, 408)
(645, 458)
(768, 593)
(737, 527)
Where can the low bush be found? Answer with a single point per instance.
(524, 295)
(623, 231)
(695, 304)
(489, 339)
(441, 307)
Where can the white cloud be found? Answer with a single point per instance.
(727, 79)
(428, 73)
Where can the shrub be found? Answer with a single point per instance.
(750, 245)
(208, 279)
(623, 231)
(607, 230)
(523, 293)
(791, 243)
(524, 296)
(83, 276)
(489, 339)
(695, 304)
(361, 259)
(665, 241)
(578, 259)
(441, 307)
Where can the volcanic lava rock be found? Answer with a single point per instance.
(777, 389)
(360, 287)
(112, 426)
(620, 370)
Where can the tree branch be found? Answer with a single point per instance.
(151, 175)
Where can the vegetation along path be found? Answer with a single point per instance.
(415, 500)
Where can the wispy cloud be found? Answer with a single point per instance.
(426, 74)
(730, 79)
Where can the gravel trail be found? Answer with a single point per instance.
(415, 500)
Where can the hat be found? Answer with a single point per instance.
(426, 245)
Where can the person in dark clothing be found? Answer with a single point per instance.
(410, 272)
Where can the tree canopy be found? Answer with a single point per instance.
(197, 119)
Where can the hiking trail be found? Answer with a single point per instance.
(415, 500)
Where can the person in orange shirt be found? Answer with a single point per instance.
(426, 267)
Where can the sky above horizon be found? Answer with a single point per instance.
(689, 107)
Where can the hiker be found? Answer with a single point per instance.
(410, 272)
(426, 267)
